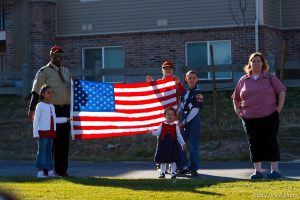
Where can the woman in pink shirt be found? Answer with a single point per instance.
(258, 99)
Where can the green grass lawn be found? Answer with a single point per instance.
(15, 128)
(115, 188)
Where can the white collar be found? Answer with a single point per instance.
(171, 123)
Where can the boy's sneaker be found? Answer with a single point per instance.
(183, 171)
(194, 172)
(173, 176)
(53, 175)
(257, 176)
(41, 174)
(274, 175)
(162, 175)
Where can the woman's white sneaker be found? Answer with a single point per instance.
(41, 174)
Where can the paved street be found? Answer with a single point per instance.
(213, 170)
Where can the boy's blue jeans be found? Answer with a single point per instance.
(191, 136)
(44, 158)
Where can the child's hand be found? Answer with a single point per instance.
(149, 78)
(183, 147)
(148, 131)
(199, 98)
(181, 124)
(177, 80)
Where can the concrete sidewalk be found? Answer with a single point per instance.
(135, 170)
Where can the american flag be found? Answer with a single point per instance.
(101, 110)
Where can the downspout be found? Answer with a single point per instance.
(256, 26)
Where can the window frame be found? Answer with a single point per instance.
(208, 57)
(103, 60)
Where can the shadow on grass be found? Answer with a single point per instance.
(179, 185)
(192, 185)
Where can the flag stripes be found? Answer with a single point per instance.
(137, 108)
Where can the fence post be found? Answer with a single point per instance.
(98, 72)
(283, 53)
(213, 71)
(179, 70)
(26, 79)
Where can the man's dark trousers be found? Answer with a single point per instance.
(61, 142)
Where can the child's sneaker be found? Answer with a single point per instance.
(194, 173)
(41, 174)
(173, 176)
(162, 175)
(53, 175)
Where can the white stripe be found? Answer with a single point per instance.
(114, 114)
(146, 97)
(118, 124)
(118, 114)
(78, 132)
(149, 105)
(147, 88)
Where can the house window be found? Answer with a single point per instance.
(2, 62)
(83, 1)
(108, 58)
(198, 54)
(2, 15)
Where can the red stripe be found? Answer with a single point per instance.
(113, 127)
(142, 102)
(144, 93)
(93, 136)
(116, 119)
(146, 109)
(128, 104)
(145, 84)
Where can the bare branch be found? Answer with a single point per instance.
(234, 16)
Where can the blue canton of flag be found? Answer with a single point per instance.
(93, 97)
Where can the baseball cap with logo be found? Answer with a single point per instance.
(167, 63)
(56, 49)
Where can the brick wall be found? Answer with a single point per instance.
(10, 31)
(42, 29)
(150, 49)
(270, 43)
(293, 44)
(143, 49)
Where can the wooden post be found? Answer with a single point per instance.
(283, 53)
(213, 71)
(179, 70)
(98, 72)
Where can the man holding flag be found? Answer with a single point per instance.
(59, 78)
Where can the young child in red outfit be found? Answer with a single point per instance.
(167, 151)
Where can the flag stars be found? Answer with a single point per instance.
(93, 97)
